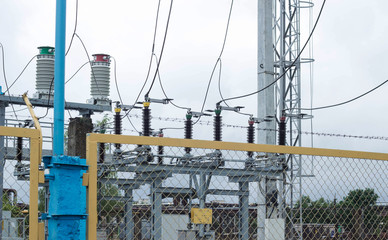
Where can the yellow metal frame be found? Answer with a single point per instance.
(35, 158)
(93, 139)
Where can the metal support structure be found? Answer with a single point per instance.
(154, 174)
(59, 76)
(266, 98)
(35, 156)
(156, 210)
(129, 225)
(2, 160)
(278, 56)
(83, 108)
(202, 199)
(244, 210)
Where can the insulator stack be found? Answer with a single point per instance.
(160, 151)
(19, 154)
(118, 125)
(101, 152)
(282, 131)
(217, 126)
(251, 135)
(101, 147)
(100, 77)
(45, 72)
(146, 119)
(188, 130)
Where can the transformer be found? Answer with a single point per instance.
(100, 80)
(45, 73)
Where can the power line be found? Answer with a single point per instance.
(321, 134)
(76, 72)
(75, 27)
(220, 92)
(25, 67)
(287, 69)
(48, 99)
(71, 42)
(5, 78)
(218, 59)
(162, 49)
(348, 101)
(19, 110)
(151, 58)
(87, 54)
(161, 86)
(118, 92)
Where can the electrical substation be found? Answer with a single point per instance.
(89, 180)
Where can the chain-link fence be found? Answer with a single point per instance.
(16, 208)
(213, 190)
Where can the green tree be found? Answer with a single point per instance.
(356, 210)
(8, 205)
(41, 200)
(319, 211)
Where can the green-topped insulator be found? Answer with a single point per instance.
(189, 116)
(217, 111)
(46, 50)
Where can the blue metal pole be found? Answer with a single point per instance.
(59, 76)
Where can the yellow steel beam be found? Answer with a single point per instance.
(19, 132)
(34, 184)
(122, 139)
(91, 161)
(36, 123)
(31, 110)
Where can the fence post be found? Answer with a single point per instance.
(91, 161)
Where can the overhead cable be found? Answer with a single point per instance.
(151, 59)
(162, 49)
(25, 67)
(118, 93)
(164, 93)
(287, 69)
(345, 102)
(5, 77)
(218, 59)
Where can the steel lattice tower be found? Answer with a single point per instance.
(278, 60)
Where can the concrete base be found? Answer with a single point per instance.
(274, 229)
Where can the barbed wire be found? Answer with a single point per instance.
(321, 134)
(210, 123)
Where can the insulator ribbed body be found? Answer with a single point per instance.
(282, 132)
(160, 152)
(217, 128)
(251, 134)
(251, 137)
(19, 153)
(188, 132)
(146, 121)
(101, 152)
(100, 80)
(118, 127)
(45, 74)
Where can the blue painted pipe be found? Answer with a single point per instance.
(59, 76)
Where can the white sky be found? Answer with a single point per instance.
(349, 51)
(349, 47)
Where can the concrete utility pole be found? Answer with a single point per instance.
(77, 130)
(266, 98)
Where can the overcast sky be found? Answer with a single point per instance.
(349, 50)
